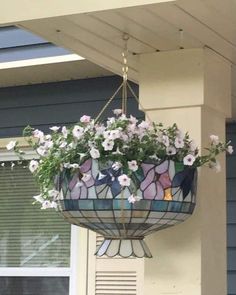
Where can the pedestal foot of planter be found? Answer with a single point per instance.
(124, 248)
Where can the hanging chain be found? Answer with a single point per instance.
(125, 69)
(107, 104)
(125, 86)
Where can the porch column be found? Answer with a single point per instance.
(191, 88)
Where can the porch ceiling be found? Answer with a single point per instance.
(97, 36)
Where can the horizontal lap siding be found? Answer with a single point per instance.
(49, 104)
(231, 212)
(17, 44)
(12, 36)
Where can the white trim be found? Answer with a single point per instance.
(35, 272)
(73, 287)
(11, 156)
(40, 61)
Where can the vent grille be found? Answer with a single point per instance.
(116, 283)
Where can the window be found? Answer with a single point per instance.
(35, 245)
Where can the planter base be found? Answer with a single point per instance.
(123, 247)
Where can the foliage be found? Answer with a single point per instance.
(122, 140)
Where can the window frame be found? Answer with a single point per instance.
(77, 272)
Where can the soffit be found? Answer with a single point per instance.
(49, 72)
(97, 36)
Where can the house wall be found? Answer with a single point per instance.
(63, 103)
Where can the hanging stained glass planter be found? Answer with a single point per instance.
(166, 193)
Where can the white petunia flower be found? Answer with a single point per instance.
(53, 193)
(66, 165)
(214, 139)
(85, 119)
(144, 125)
(110, 121)
(94, 153)
(39, 198)
(99, 130)
(193, 146)
(46, 205)
(117, 112)
(54, 128)
(74, 166)
(133, 166)
(3, 164)
(189, 160)
(132, 199)
(230, 149)
(33, 166)
(78, 131)
(64, 131)
(179, 143)
(41, 151)
(108, 145)
(170, 150)
(10, 146)
(131, 128)
(154, 157)
(115, 134)
(107, 134)
(48, 137)
(86, 177)
(124, 137)
(116, 166)
(124, 180)
(63, 145)
(133, 120)
(48, 144)
(53, 205)
(123, 117)
(38, 134)
(165, 140)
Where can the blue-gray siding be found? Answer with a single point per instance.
(49, 104)
(231, 210)
(17, 44)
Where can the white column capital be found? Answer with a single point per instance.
(185, 78)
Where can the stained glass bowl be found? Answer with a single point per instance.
(167, 192)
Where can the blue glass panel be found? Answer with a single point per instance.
(119, 204)
(71, 205)
(103, 204)
(85, 204)
(185, 207)
(175, 206)
(159, 205)
(142, 205)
